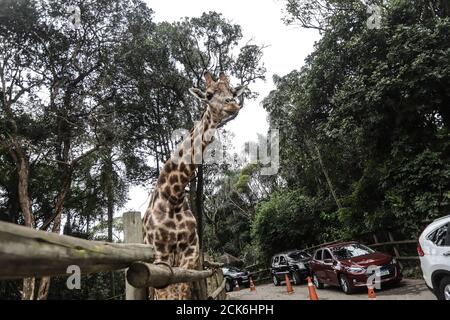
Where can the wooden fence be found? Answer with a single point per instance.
(26, 252)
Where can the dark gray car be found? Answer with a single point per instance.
(233, 274)
(294, 263)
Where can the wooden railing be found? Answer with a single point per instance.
(396, 247)
(26, 252)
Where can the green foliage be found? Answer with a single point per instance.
(287, 220)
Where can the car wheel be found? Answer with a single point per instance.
(316, 282)
(345, 286)
(296, 278)
(228, 286)
(444, 289)
(275, 280)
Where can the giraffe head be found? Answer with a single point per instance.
(219, 95)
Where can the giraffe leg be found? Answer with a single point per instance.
(188, 260)
(171, 291)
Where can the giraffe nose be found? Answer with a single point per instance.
(230, 100)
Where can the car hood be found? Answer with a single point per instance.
(377, 259)
(299, 260)
(236, 274)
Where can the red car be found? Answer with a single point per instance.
(349, 265)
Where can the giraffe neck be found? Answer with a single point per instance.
(179, 169)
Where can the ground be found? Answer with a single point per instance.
(408, 289)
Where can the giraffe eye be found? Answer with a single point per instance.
(209, 95)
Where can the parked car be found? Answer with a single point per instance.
(434, 253)
(295, 263)
(349, 265)
(233, 274)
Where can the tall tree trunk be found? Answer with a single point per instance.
(327, 177)
(110, 204)
(23, 173)
(64, 187)
(25, 205)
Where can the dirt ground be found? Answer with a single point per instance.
(408, 289)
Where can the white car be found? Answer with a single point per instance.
(434, 252)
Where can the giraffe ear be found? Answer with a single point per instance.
(223, 77)
(208, 78)
(197, 93)
(239, 90)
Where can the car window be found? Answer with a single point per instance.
(352, 250)
(318, 255)
(298, 255)
(327, 255)
(275, 260)
(440, 236)
(282, 260)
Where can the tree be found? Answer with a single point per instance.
(359, 120)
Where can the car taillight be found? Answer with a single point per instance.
(419, 250)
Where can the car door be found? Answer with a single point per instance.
(329, 267)
(318, 266)
(440, 248)
(283, 265)
(275, 265)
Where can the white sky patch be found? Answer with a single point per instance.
(261, 22)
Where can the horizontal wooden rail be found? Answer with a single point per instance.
(252, 266)
(263, 279)
(141, 275)
(25, 252)
(322, 245)
(212, 265)
(408, 258)
(259, 271)
(392, 243)
(215, 294)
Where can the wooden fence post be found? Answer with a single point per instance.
(132, 233)
(397, 253)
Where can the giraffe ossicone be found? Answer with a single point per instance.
(169, 225)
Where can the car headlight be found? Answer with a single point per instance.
(301, 265)
(394, 261)
(356, 270)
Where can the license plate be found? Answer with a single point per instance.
(384, 273)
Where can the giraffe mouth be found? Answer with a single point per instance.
(232, 109)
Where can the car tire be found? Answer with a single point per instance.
(316, 281)
(444, 289)
(296, 279)
(228, 286)
(275, 280)
(344, 284)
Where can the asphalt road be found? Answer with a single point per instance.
(408, 289)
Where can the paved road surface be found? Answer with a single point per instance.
(408, 289)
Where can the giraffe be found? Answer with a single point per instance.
(169, 226)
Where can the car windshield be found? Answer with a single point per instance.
(298, 255)
(351, 251)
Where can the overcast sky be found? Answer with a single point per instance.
(261, 21)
